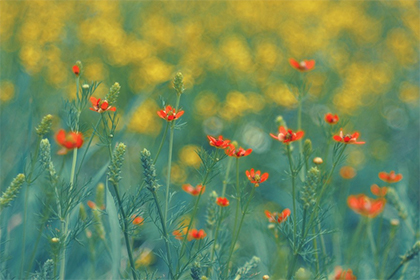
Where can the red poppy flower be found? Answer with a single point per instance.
(365, 205)
(303, 66)
(348, 139)
(193, 191)
(99, 106)
(69, 141)
(76, 70)
(391, 177)
(276, 217)
(240, 152)
(378, 191)
(287, 136)
(341, 274)
(196, 234)
(137, 220)
(169, 113)
(256, 177)
(331, 119)
(222, 201)
(218, 143)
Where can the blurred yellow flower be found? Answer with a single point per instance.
(145, 120)
(7, 90)
(188, 156)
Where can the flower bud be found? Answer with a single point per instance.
(318, 160)
(179, 83)
(45, 125)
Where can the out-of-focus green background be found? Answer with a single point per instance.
(234, 57)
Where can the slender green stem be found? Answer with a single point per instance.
(87, 147)
(31, 260)
(387, 249)
(226, 176)
(324, 187)
(168, 175)
(216, 234)
(125, 227)
(232, 247)
(107, 136)
(355, 239)
(372, 245)
(65, 224)
(195, 208)
(292, 173)
(300, 245)
(316, 252)
(25, 205)
(161, 142)
(165, 233)
(395, 270)
(238, 196)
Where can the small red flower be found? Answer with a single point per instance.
(348, 139)
(196, 234)
(240, 152)
(331, 119)
(378, 191)
(348, 172)
(193, 191)
(287, 136)
(365, 205)
(99, 106)
(341, 274)
(256, 177)
(137, 220)
(276, 217)
(391, 177)
(69, 141)
(92, 205)
(222, 201)
(76, 70)
(218, 143)
(303, 66)
(169, 113)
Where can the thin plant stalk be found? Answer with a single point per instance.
(125, 226)
(165, 234)
(87, 147)
(292, 173)
(65, 223)
(372, 244)
(25, 205)
(226, 176)
(238, 196)
(232, 247)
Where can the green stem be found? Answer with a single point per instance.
(25, 205)
(355, 239)
(372, 244)
(232, 247)
(168, 175)
(125, 227)
(165, 233)
(226, 176)
(216, 234)
(238, 196)
(302, 242)
(324, 187)
(387, 249)
(65, 224)
(87, 147)
(292, 173)
(316, 252)
(395, 270)
(195, 208)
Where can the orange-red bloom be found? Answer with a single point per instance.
(303, 66)
(348, 139)
(169, 113)
(391, 177)
(69, 141)
(347, 172)
(276, 217)
(222, 201)
(378, 191)
(179, 234)
(194, 191)
(196, 234)
(287, 136)
(365, 205)
(92, 205)
(218, 143)
(240, 152)
(76, 70)
(341, 274)
(99, 106)
(137, 220)
(331, 119)
(256, 177)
